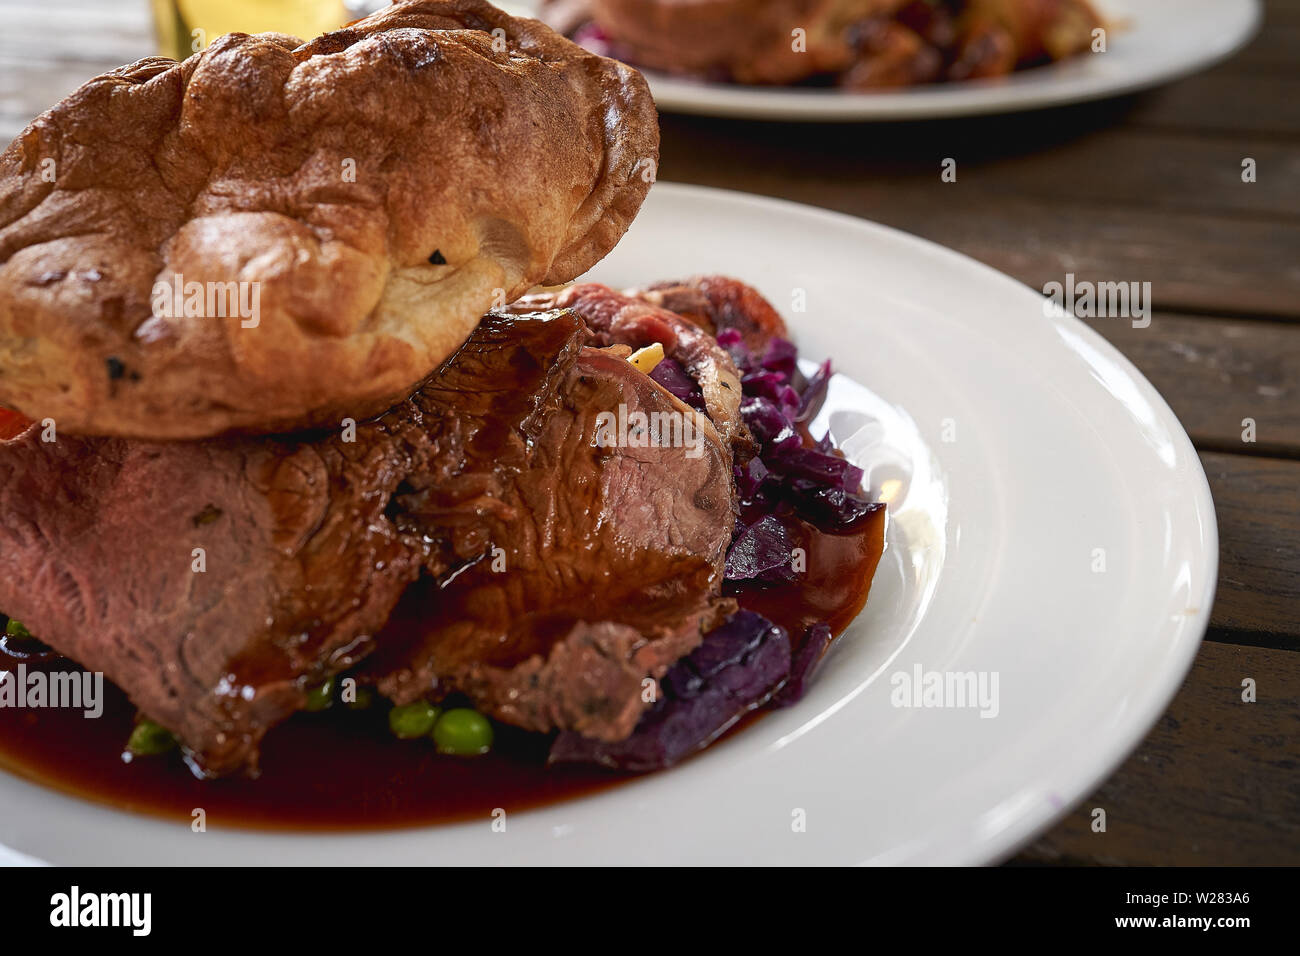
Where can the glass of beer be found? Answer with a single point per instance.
(185, 27)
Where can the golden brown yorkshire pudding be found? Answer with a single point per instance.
(339, 214)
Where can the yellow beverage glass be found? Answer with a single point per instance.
(185, 27)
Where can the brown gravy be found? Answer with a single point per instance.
(341, 769)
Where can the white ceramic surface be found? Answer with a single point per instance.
(1024, 444)
(1149, 42)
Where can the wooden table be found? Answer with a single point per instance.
(1144, 188)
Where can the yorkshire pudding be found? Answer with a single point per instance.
(274, 235)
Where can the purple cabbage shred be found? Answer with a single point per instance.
(735, 670)
(670, 374)
(814, 393)
(761, 552)
(816, 641)
(786, 480)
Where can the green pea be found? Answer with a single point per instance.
(17, 631)
(364, 698)
(318, 698)
(463, 732)
(413, 720)
(149, 738)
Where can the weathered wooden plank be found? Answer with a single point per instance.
(1273, 49)
(1281, 10)
(1216, 373)
(1181, 172)
(1234, 99)
(1257, 501)
(76, 30)
(1217, 781)
(1195, 262)
(47, 50)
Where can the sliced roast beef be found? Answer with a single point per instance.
(563, 562)
(601, 513)
(616, 318)
(211, 581)
(716, 303)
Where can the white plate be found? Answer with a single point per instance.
(1059, 447)
(1150, 42)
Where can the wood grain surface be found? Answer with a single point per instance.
(1216, 782)
(1144, 188)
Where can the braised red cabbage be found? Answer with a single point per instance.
(670, 374)
(761, 551)
(793, 474)
(736, 669)
(815, 644)
(748, 662)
